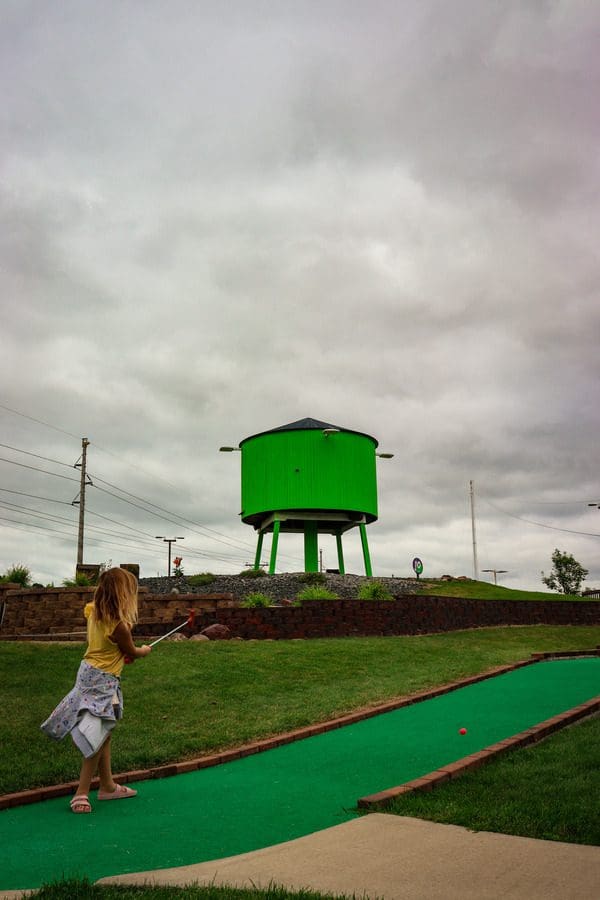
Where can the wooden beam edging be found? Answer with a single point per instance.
(36, 795)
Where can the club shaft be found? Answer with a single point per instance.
(173, 630)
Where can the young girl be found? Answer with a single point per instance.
(91, 710)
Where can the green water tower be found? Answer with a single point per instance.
(310, 478)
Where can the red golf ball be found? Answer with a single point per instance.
(462, 730)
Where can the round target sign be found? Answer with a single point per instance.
(417, 566)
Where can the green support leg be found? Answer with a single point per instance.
(311, 548)
(340, 552)
(276, 527)
(365, 549)
(258, 550)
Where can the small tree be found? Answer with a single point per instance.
(567, 574)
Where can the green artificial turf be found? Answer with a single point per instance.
(549, 791)
(201, 697)
(286, 792)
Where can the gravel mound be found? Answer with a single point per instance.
(278, 587)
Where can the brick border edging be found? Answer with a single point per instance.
(36, 795)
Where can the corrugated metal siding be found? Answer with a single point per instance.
(306, 470)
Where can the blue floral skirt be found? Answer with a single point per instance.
(89, 712)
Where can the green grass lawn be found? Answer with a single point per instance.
(200, 697)
(483, 590)
(83, 890)
(549, 791)
(189, 699)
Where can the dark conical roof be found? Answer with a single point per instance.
(306, 425)
(309, 425)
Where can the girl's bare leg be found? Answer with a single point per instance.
(88, 770)
(99, 762)
(107, 782)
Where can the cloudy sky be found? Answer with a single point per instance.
(217, 218)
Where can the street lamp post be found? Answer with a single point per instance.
(496, 573)
(169, 541)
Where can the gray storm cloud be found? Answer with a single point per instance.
(217, 220)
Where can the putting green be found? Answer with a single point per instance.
(282, 793)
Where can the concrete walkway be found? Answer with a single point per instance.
(397, 858)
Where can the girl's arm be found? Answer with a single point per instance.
(122, 638)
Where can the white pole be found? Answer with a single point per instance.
(475, 565)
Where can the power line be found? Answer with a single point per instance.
(56, 475)
(39, 421)
(38, 514)
(223, 539)
(60, 533)
(235, 545)
(208, 554)
(34, 512)
(241, 544)
(117, 522)
(539, 524)
(97, 446)
(34, 525)
(136, 467)
(205, 532)
(35, 496)
(549, 502)
(61, 520)
(35, 469)
(37, 456)
(227, 543)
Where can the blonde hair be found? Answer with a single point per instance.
(116, 597)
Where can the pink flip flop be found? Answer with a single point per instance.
(120, 793)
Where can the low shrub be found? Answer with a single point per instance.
(313, 578)
(316, 593)
(17, 574)
(252, 573)
(256, 599)
(374, 590)
(201, 579)
(80, 580)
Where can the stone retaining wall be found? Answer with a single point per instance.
(57, 613)
(405, 615)
(47, 613)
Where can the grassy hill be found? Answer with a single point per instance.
(483, 590)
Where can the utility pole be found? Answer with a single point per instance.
(81, 500)
(169, 541)
(475, 565)
(496, 573)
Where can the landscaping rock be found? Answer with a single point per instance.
(278, 587)
(199, 637)
(217, 632)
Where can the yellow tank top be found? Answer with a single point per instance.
(102, 653)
